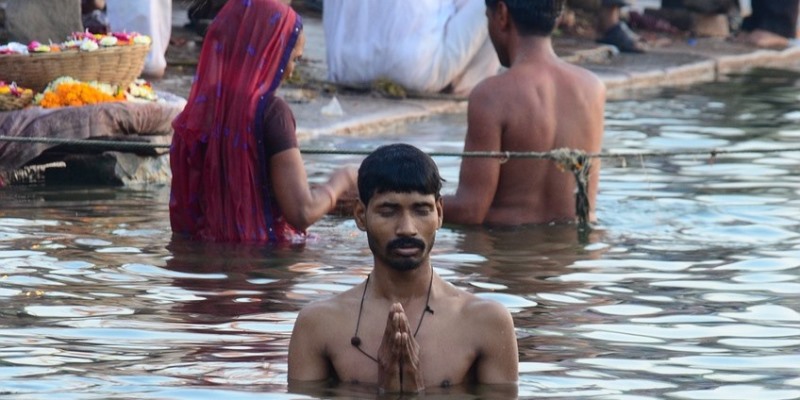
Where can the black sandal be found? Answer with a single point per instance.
(621, 36)
(615, 3)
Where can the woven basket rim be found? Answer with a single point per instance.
(73, 52)
(10, 102)
(118, 65)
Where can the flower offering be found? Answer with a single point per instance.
(68, 92)
(12, 89)
(141, 90)
(82, 41)
(13, 97)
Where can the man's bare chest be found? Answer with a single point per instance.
(445, 358)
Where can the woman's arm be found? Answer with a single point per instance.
(303, 205)
(479, 177)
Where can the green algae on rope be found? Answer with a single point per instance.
(712, 153)
(575, 161)
(579, 163)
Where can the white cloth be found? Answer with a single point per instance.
(745, 8)
(148, 17)
(423, 45)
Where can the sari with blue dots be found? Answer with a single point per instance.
(220, 173)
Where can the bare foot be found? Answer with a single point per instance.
(762, 38)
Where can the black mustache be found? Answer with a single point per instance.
(405, 242)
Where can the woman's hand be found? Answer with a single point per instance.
(346, 180)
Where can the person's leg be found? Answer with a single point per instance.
(772, 23)
(776, 16)
(615, 32)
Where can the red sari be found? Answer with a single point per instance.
(220, 173)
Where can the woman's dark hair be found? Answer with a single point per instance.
(532, 17)
(398, 168)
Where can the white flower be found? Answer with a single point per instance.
(89, 45)
(142, 39)
(108, 41)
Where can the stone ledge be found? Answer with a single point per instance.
(364, 115)
(110, 168)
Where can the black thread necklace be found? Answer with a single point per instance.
(356, 341)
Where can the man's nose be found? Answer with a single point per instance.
(406, 226)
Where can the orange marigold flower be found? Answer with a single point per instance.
(76, 94)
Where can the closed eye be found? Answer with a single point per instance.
(423, 211)
(386, 211)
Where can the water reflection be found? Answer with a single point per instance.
(687, 288)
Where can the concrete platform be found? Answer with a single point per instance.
(680, 62)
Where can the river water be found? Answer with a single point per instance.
(688, 288)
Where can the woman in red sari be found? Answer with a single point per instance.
(237, 174)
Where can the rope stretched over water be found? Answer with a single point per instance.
(121, 145)
(575, 161)
(501, 155)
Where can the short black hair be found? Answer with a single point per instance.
(398, 167)
(532, 17)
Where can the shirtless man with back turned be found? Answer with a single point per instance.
(540, 103)
(404, 328)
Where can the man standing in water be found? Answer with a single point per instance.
(539, 104)
(435, 334)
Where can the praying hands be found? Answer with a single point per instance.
(398, 356)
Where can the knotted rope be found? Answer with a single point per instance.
(575, 161)
(578, 163)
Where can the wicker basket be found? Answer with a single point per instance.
(118, 65)
(10, 102)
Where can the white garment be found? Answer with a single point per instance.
(745, 8)
(423, 45)
(148, 17)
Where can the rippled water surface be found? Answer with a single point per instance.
(687, 289)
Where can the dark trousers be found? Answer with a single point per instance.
(594, 5)
(776, 16)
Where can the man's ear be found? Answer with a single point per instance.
(503, 17)
(440, 210)
(360, 214)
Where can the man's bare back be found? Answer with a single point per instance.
(539, 104)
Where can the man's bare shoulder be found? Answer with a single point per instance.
(330, 308)
(488, 89)
(586, 79)
(486, 311)
(487, 101)
(481, 310)
(497, 89)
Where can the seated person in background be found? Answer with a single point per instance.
(540, 104)
(94, 16)
(608, 25)
(616, 32)
(422, 45)
(772, 23)
(435, 334)
(201, 13)
(237, 174)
